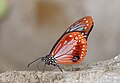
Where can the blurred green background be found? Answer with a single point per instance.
(33, 26)
(3, 8)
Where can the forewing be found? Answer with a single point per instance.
(83, 25)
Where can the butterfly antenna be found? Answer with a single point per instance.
(33, 61)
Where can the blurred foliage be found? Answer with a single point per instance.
(3, 8)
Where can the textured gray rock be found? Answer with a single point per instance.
(100, 72)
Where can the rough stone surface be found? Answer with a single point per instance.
(100, 72)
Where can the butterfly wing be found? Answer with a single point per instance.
(83, 25)
(71, 46)
(71, 49)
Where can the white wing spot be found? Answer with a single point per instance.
(83, 49)
(82, 55)
(86, 21)
(85, 35)
(83, 45)
(83, 42)
(82, 33)
(82, 52)
(87, 24)
(84, 18)
(85, 27)
(70, 36)
(76, 38)
(79, 35)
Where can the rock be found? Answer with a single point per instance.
(99, 72)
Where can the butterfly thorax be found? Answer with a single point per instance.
(49, 60)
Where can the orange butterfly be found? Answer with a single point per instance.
(71, 47)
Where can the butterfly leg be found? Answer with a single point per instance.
(44, 68)
(38, 65)
(59, 67)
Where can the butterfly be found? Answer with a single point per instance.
(71, 47)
